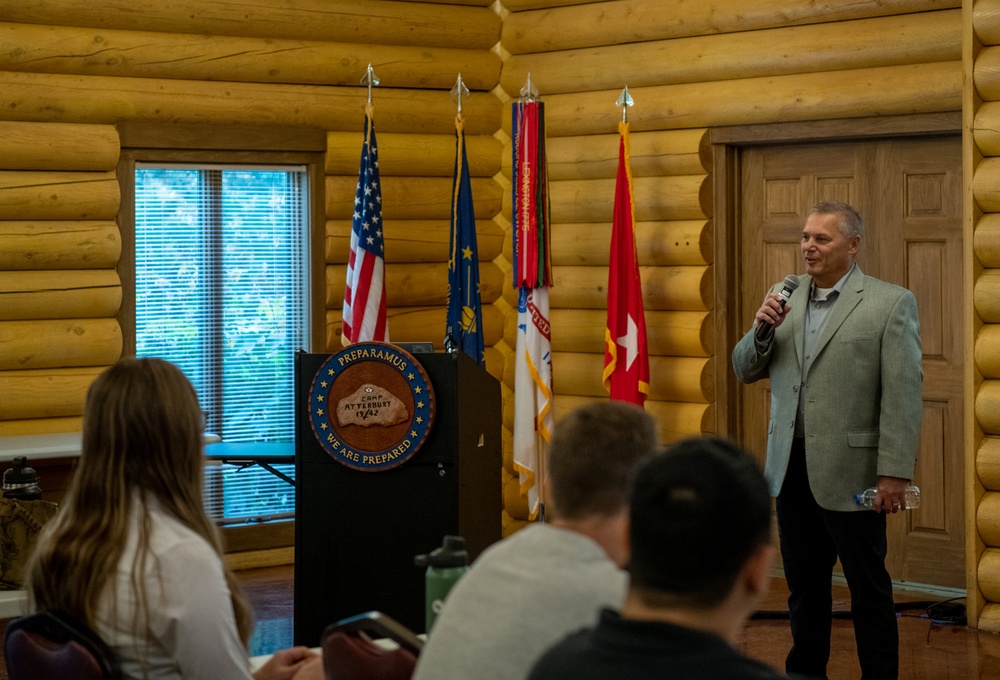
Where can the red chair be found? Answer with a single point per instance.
(51, 646)
(350, 651)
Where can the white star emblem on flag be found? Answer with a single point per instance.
(630, 341)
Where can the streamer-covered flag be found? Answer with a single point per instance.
(464, 326)
(532, 260)
(626, 359)
(364, 296)
(533, 413)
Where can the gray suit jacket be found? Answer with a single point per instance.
(862, 398)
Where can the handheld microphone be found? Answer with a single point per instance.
(765, 329)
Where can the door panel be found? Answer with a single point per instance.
(909, 193)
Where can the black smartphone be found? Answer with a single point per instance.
(378, 625)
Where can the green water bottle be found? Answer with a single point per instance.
(445, 565)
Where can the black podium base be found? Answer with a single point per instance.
(357, 532)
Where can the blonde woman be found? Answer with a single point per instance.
(132, 553)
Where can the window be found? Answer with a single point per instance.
(221, 269)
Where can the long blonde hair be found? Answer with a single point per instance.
(142, 439)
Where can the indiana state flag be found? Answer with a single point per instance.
(464, 326)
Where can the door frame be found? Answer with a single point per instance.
(725, 147)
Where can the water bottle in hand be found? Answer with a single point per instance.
(866, 498)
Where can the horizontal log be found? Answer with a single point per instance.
(507, 445)
(987, 350)
(395, 23)
(678, 334)
(59, 294)
(507, 414)
(495, 362)
(685, 379)
(674, 420)
(510, 525)
(148, 54)
(663, 288)
(988, 519)
(522, 5)
(986, 295)
(987, 408)
(44, 393)
(632, 21)
(891, 40)
(103, 99)
(59, 245)
(418, 324)
(410, 154)
(507, 352)
(513, 502)
(988, 573)
(415, 285)
(412, 240)
(885, 91)
(988, 463)
(984, 130)
(510, 323)
(984, 188)
(50, 195)
(30, 146)
(986, 240)
(654, 153)
(986, 73)
(59, 343)
(32, 426)
(469, 3)
(667, 243)
(988, 620)
(986, 21)
(413, 198)
(682, 197)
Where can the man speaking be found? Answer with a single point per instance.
(843, 356)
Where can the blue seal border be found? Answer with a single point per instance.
(421, 418)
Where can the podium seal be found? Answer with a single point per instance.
(371, 406)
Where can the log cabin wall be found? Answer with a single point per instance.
(691, 67)
(73, 70)
(70, 70)
(59, 291)
(982, 165)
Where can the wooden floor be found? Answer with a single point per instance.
(928, 650)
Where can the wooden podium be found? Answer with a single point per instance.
(357, 532)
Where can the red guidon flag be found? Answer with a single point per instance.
(626, 359)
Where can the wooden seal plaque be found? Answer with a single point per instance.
(371, 406)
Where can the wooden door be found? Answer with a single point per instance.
(909, 193)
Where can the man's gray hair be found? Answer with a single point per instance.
(851, 224)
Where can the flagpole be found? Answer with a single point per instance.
(459, 91)
(626, 355)
(624, 101)
(529, 93)
(364, 311)
(464, 304)
(369, 79)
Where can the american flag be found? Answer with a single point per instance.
(364, 297)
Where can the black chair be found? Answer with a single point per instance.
(51, 646)
(351, 653)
